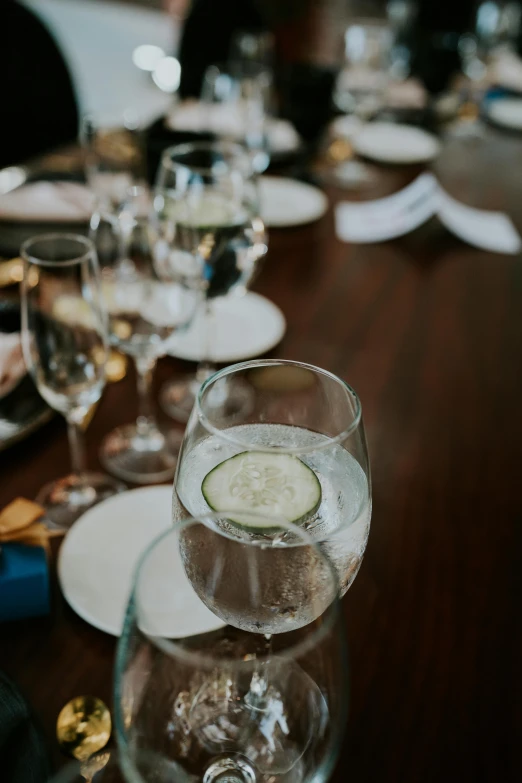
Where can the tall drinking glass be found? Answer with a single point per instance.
(64, 337)
(148, 301)
(207, 205)
(298, 451)
(261, 700)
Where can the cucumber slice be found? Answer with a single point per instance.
(257, 482)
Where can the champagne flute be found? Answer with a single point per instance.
(208, 207)
(64, 338)
(298, 452)
(145, 310)
(227, 705)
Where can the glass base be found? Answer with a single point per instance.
(265, 724)
(230, 769)
(353, 175)
(140, 458)
(66, 499)
(177, 398)
(468, 130)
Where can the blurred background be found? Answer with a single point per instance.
(126, 62)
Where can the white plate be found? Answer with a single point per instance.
(99, 555)
(243, 327)
(288, 202)
(386, 142)
(506, 112)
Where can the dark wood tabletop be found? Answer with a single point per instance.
(429, 332)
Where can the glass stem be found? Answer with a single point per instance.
(146, 422)
(77, 448)
(206, 366)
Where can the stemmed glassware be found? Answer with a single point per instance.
(114, 159)
(148, 300)
(296, 451)
(64, 337)
(237, 98)
(262, 700)
(207, 206)
(361, 86)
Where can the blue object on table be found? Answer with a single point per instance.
(24, 582)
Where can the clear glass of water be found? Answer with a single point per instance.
(207, 206)
(294, 449)
(64, 337)
(148, 300)
(262, 699)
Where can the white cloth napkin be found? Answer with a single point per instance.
(48, 202)
(227, 120)
(12, 365)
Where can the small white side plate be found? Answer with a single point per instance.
(288, 202)
(99, 555)
(243, 327)
(506, 112)
(386, 142)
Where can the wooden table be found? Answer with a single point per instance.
(429, 332)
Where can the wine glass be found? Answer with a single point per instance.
(237, 97)
(64, 338)
(298, 452)
(114, 159)
(233, 705)
(207, 204)
(360, 88)
(148, 302)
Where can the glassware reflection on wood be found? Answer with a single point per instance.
(207, 207)
(263, 699)
(64, 337)
(147, 303)
(296, 448)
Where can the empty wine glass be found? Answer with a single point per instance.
(237, 98)
(207, 205)
(233, 705)
(64, 338)
(297, 451)
(360, 88)
(147, 303)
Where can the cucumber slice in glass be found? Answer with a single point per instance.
(278, 485)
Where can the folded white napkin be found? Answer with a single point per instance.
(48, 202)
(12, 365)
(226, 119)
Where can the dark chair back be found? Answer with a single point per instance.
(39, 109)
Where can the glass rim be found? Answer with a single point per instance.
(175, 650)
(233, 368)
(89, 249)
(195, 146)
